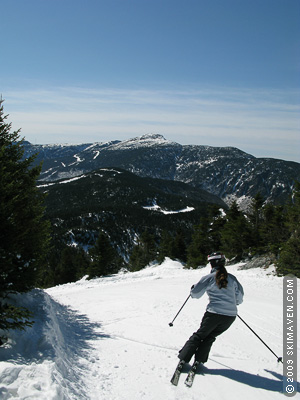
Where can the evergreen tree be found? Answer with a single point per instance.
(104, 258)
(137, 259)
(289, 259)
(24, 233)
(293, 215)
(273, 230)
(49, 275)
(143, 253)
(12, 317)
(199, 248)
(217, 222)
(235, 233)
(82, 262)
(178, 247)
(256, 219)
(256, 210)
(165, 246)
(73, 265)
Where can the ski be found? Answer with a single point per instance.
(176, 375)
(191, 375)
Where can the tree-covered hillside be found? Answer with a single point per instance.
(122, 206)
(145, 219)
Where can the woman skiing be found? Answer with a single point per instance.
(225, 293)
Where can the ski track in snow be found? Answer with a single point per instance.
(109, 339)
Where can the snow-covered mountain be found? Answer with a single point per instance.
(224, 171)
(109, 339)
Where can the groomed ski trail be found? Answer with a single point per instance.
(109, 339)
(139, 356)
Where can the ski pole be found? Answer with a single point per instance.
(279, 359)
(171, 323)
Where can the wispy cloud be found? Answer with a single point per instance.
(263, 123)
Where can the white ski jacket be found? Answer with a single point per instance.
(221, 301)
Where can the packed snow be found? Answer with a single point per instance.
(110, 339)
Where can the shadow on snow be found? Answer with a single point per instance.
(256, 381)
(58, 332)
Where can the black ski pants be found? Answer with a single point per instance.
(199, 344)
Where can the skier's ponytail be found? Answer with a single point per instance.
(221, 277)
(217, 261)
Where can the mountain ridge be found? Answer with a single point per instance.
(226, 172)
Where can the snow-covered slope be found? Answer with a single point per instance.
(109, 339)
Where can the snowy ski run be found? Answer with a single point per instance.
(110, 339)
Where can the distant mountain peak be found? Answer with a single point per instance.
(152, 136)
(149, 139)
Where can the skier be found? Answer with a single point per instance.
(225, 293)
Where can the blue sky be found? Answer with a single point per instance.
(212, 72)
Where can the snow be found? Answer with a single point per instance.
(183, 210)
(72, 179)
(156, 207)
(111, 170)
(243, 202)
(61, 182)
(46, 185)
(147, 140)
(77, 158)
(109, 339)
